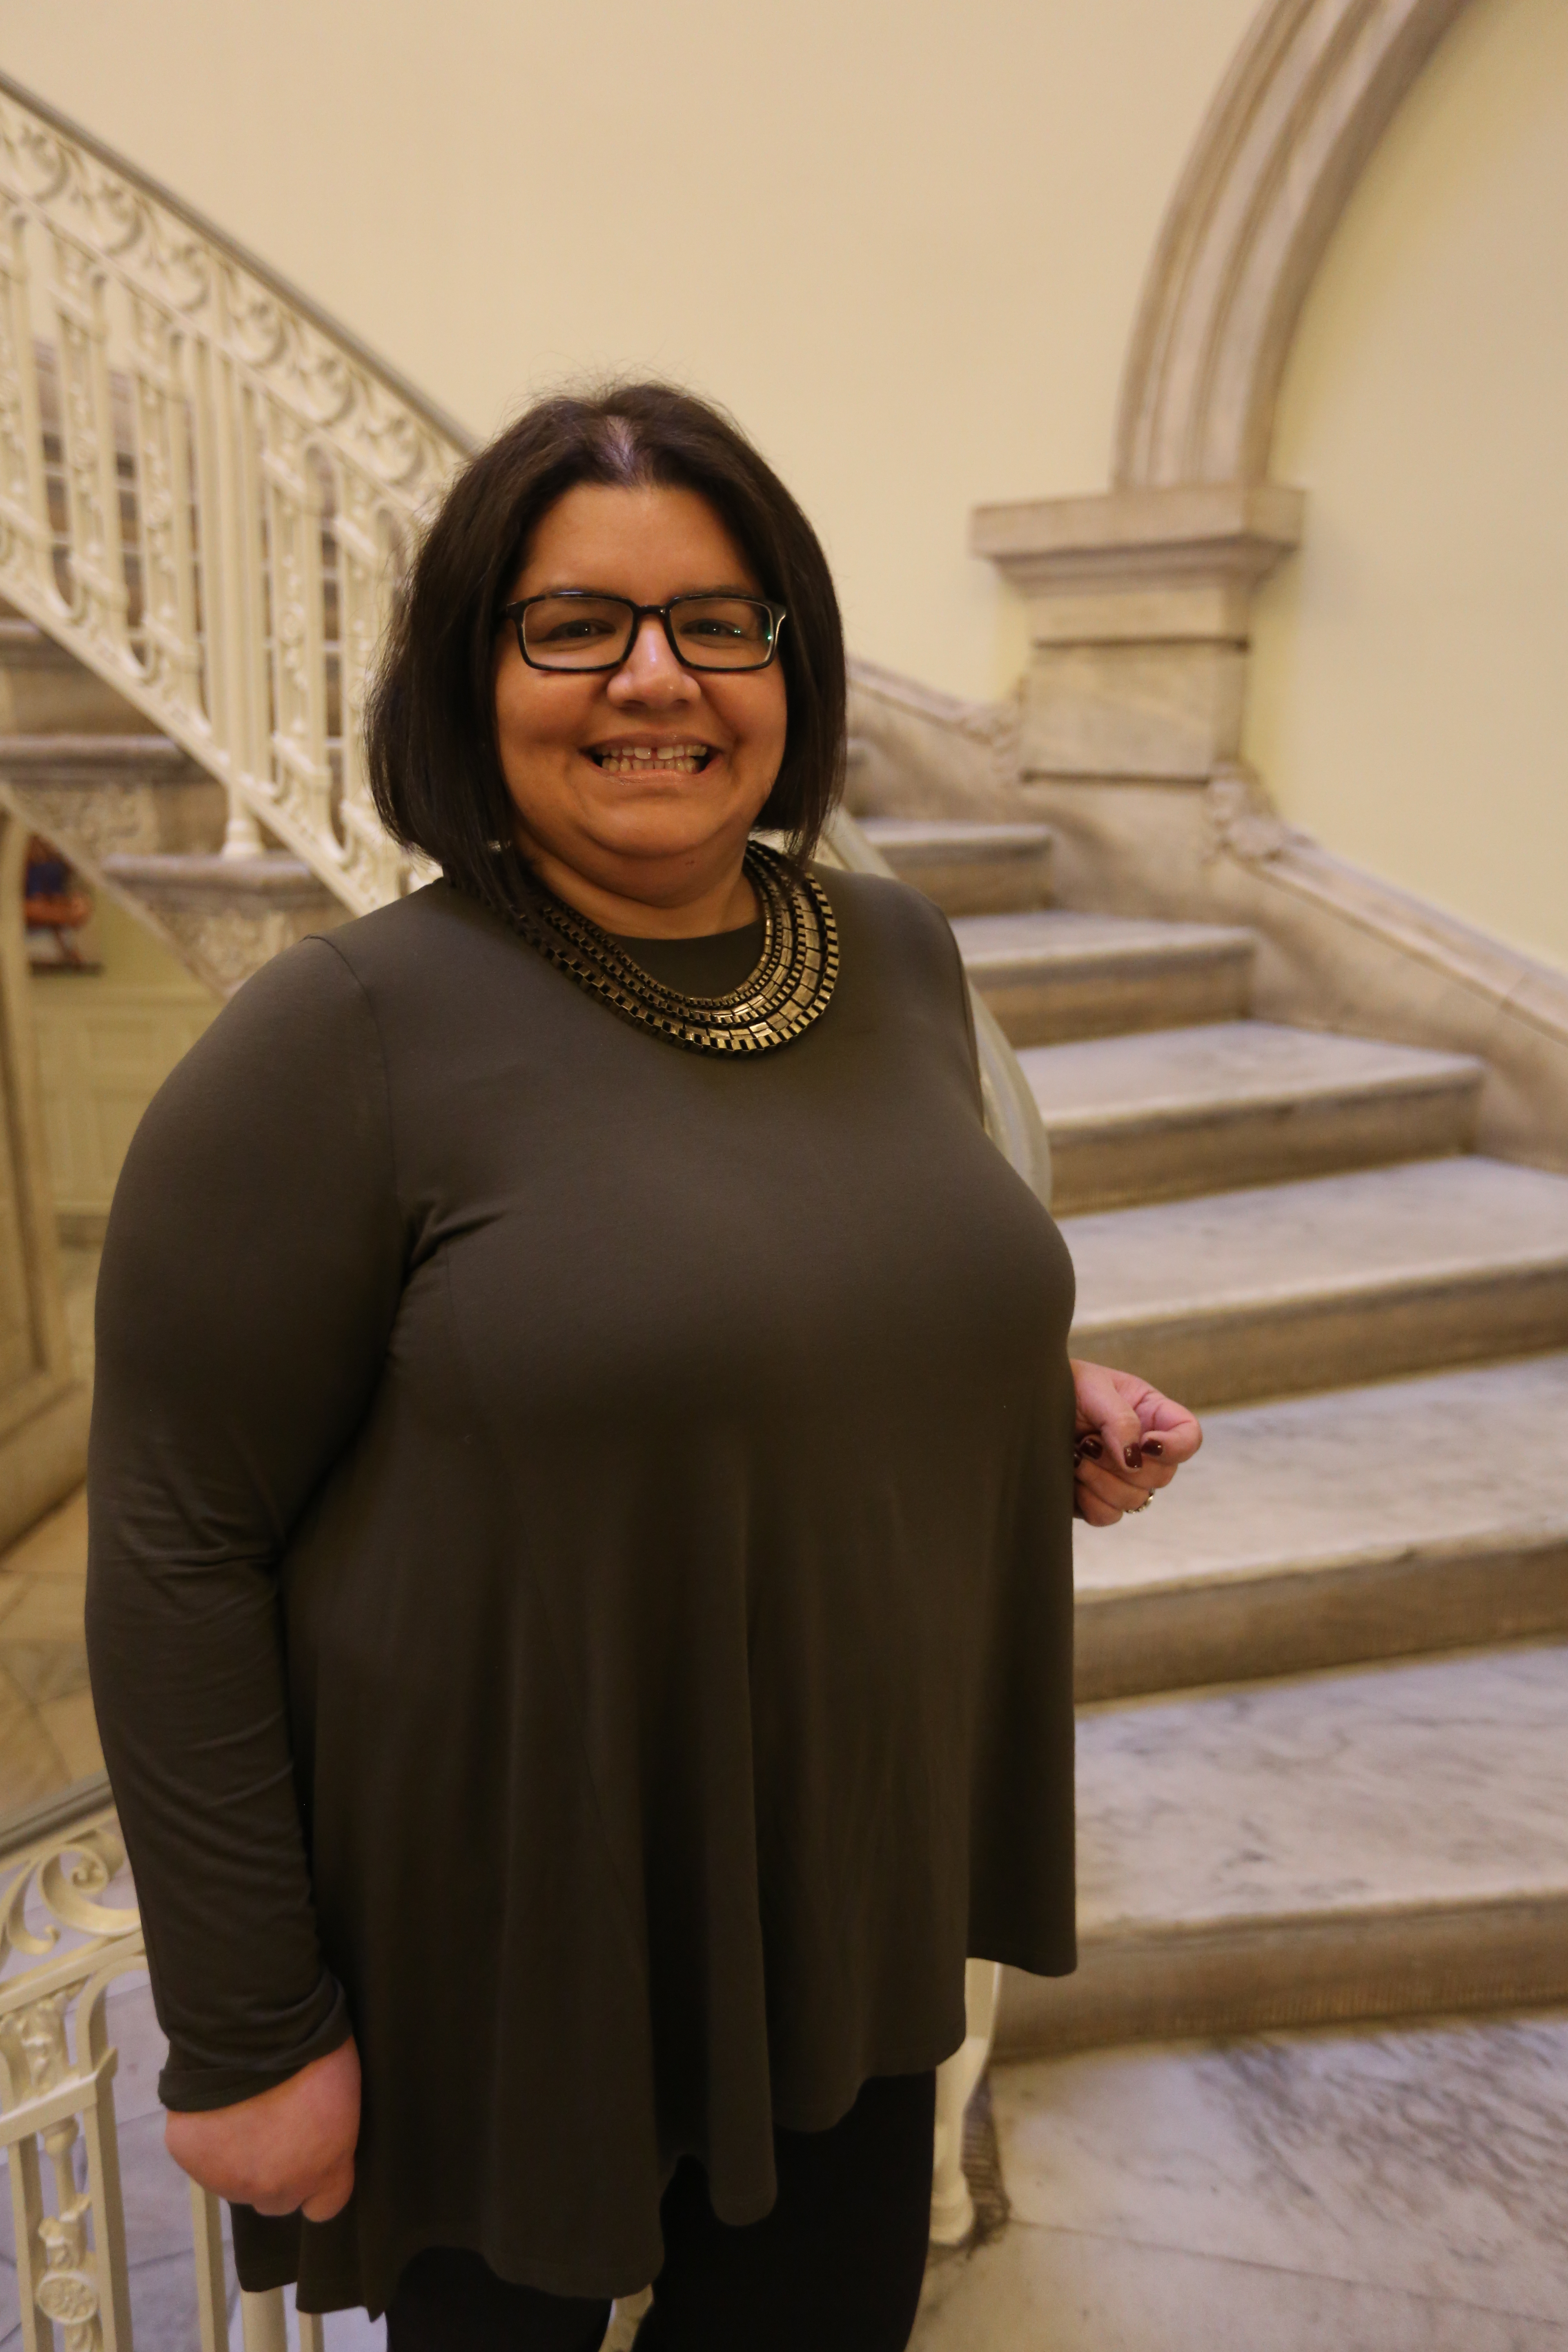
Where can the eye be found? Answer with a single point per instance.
(569, 633)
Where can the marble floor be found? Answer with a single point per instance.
(1332, 2191)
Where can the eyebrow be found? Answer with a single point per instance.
(579, 588)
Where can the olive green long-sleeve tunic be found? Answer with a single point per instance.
(580, 1585)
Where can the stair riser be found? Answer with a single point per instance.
(1247, 1629)
(1294, 1347)
(1001, 882)
(1180, 1985)
(43, 691)
(1108, 1002)
(98, 818)
(1173, 1158)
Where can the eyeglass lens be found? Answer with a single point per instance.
(595, 632)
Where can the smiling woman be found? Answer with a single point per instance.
(643, 495)
(621, 1498)
(699, 742)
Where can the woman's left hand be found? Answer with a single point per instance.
(1129, 1442)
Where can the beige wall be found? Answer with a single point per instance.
(1409, 701)
(902, 239)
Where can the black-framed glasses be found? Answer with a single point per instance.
(575, 629)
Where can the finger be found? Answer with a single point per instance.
(1108, 1486)
(1095, 1513)
(1107, 1403)
(1147, 1479)
(333, 2192)
(1171, 1432)
(279, 2200)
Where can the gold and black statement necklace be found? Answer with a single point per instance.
(789, 989)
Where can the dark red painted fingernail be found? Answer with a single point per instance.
(1091, 1446)
(1134, 1457)
(1152, 1445)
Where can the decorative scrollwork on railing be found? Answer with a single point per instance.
(57, 2105)
(56, 2070)
(205, 491)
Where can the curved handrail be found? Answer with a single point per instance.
(284, 289)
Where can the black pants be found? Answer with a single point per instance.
(835, 2267)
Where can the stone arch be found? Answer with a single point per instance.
(1306, 98)
(1139, 598)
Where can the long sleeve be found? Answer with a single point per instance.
(251, 1275)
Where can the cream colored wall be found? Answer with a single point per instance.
(903, 242)
(1409, 696)
(107, 1040)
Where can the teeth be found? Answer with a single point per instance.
(675, 758)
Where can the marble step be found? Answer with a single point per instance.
(96, 793)
(1382, 1842)
(1055, 974)
(968, 868)
(1165, 1113)
(1420, 1515)
(1292, 1288)
(1393, 2189)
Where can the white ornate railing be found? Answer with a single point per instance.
(64, 1941)
(205, 488)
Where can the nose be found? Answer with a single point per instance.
(650, 673)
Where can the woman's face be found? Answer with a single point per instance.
(669, 828)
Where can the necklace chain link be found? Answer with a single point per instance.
(790, 988)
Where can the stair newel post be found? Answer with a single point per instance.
(88, 449)
(27, 548)
(957, 2080)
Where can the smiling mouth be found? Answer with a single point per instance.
(650, 759)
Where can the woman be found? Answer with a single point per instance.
(582, 1461)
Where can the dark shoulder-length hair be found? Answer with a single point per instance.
(431, 732)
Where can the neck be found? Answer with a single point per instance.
(688, 906)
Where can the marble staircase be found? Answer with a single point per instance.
(142, 818)
(1323, 1682)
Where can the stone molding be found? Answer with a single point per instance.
(1138, 604)
(931, 750)
(1140, 564)
(1242, 825)
(1311, 92)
